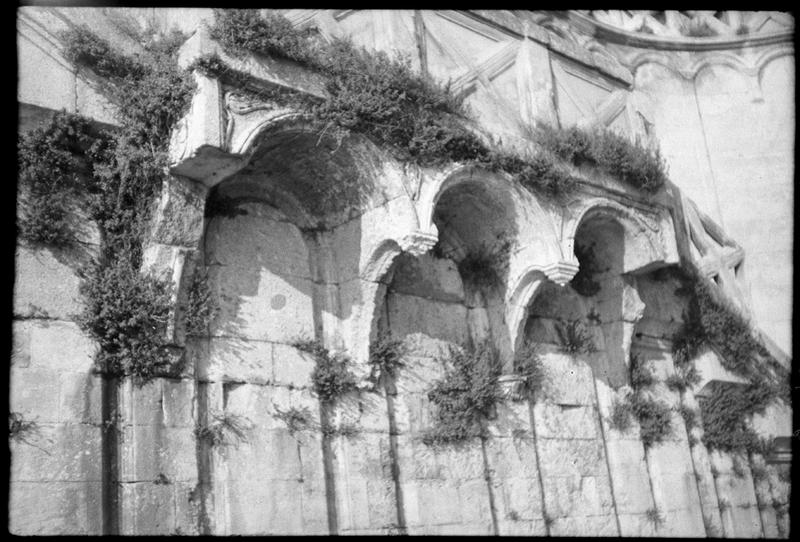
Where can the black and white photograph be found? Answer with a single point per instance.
(402, 272)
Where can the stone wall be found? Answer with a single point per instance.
(294, 262)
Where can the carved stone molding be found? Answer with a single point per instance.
(561, 272)
(511, 387)
(418, 242)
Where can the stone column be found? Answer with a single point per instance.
(158, 473)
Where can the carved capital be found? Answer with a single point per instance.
(561, 272)
(418, 242)
(511, 387)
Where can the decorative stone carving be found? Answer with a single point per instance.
(511, 387)
(418, 242)
(561, 272)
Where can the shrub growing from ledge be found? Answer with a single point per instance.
(331, 375)
(199, 309)
(727, 412)
(51, 158)
(224, 430)
(574, 337)
(386, 358)
(631, 163)
(466, 396)
(528, 365)
(654, 417)
(381, 97)
(710, 320)
(483, 266)
(126, 312)
(242, 30)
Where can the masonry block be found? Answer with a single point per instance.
(61, 346)
(34, 394)
(55, 508)
(561, 457)
(45, 286)
(565, 422)
(80, 398)
(291, 366)
(63, 453)
(149, 451)
(238, 359)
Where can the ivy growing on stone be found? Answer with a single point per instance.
(529, 366)
(127, 313)
(331, 376)
(574, 337)
(52, 158)
(296, 419)
(483, 266)
(654, 417)
(224, 429)
(621, 417)
(641, 375)
(19, 428)
(123, 170)
(465, 396)
(710, 320)
(386, 358)
(419, 120)
(631, 163)
(727, 412)
(199, 309)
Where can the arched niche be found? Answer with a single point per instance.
(342, 194)
(600, 299)
(643, 237)
(426, 298)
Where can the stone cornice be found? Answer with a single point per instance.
(612, 34)
(514, 25)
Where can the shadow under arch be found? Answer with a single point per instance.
(612, 246)
(643, 242)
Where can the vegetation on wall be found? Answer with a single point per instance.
(631, 163)
(127, 314)
(465, 396)
(331, 376)
(199, 311)
(52, 158)
(296, 419)
(19, 428)
(574, 337)
(483, 266)
(385, 359)
(727, 411)
(421, 121)
(120, 174)
(710, 320)
(224, 429)
(654, 417)
(529, 366)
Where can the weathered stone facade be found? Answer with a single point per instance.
(292, 263)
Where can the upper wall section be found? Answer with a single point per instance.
(516, 69)
(717, 89)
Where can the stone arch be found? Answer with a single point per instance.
(643, 239)
(251, 136)
(518, 302)
(729, 60)
(452, 176)
(769, 56)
